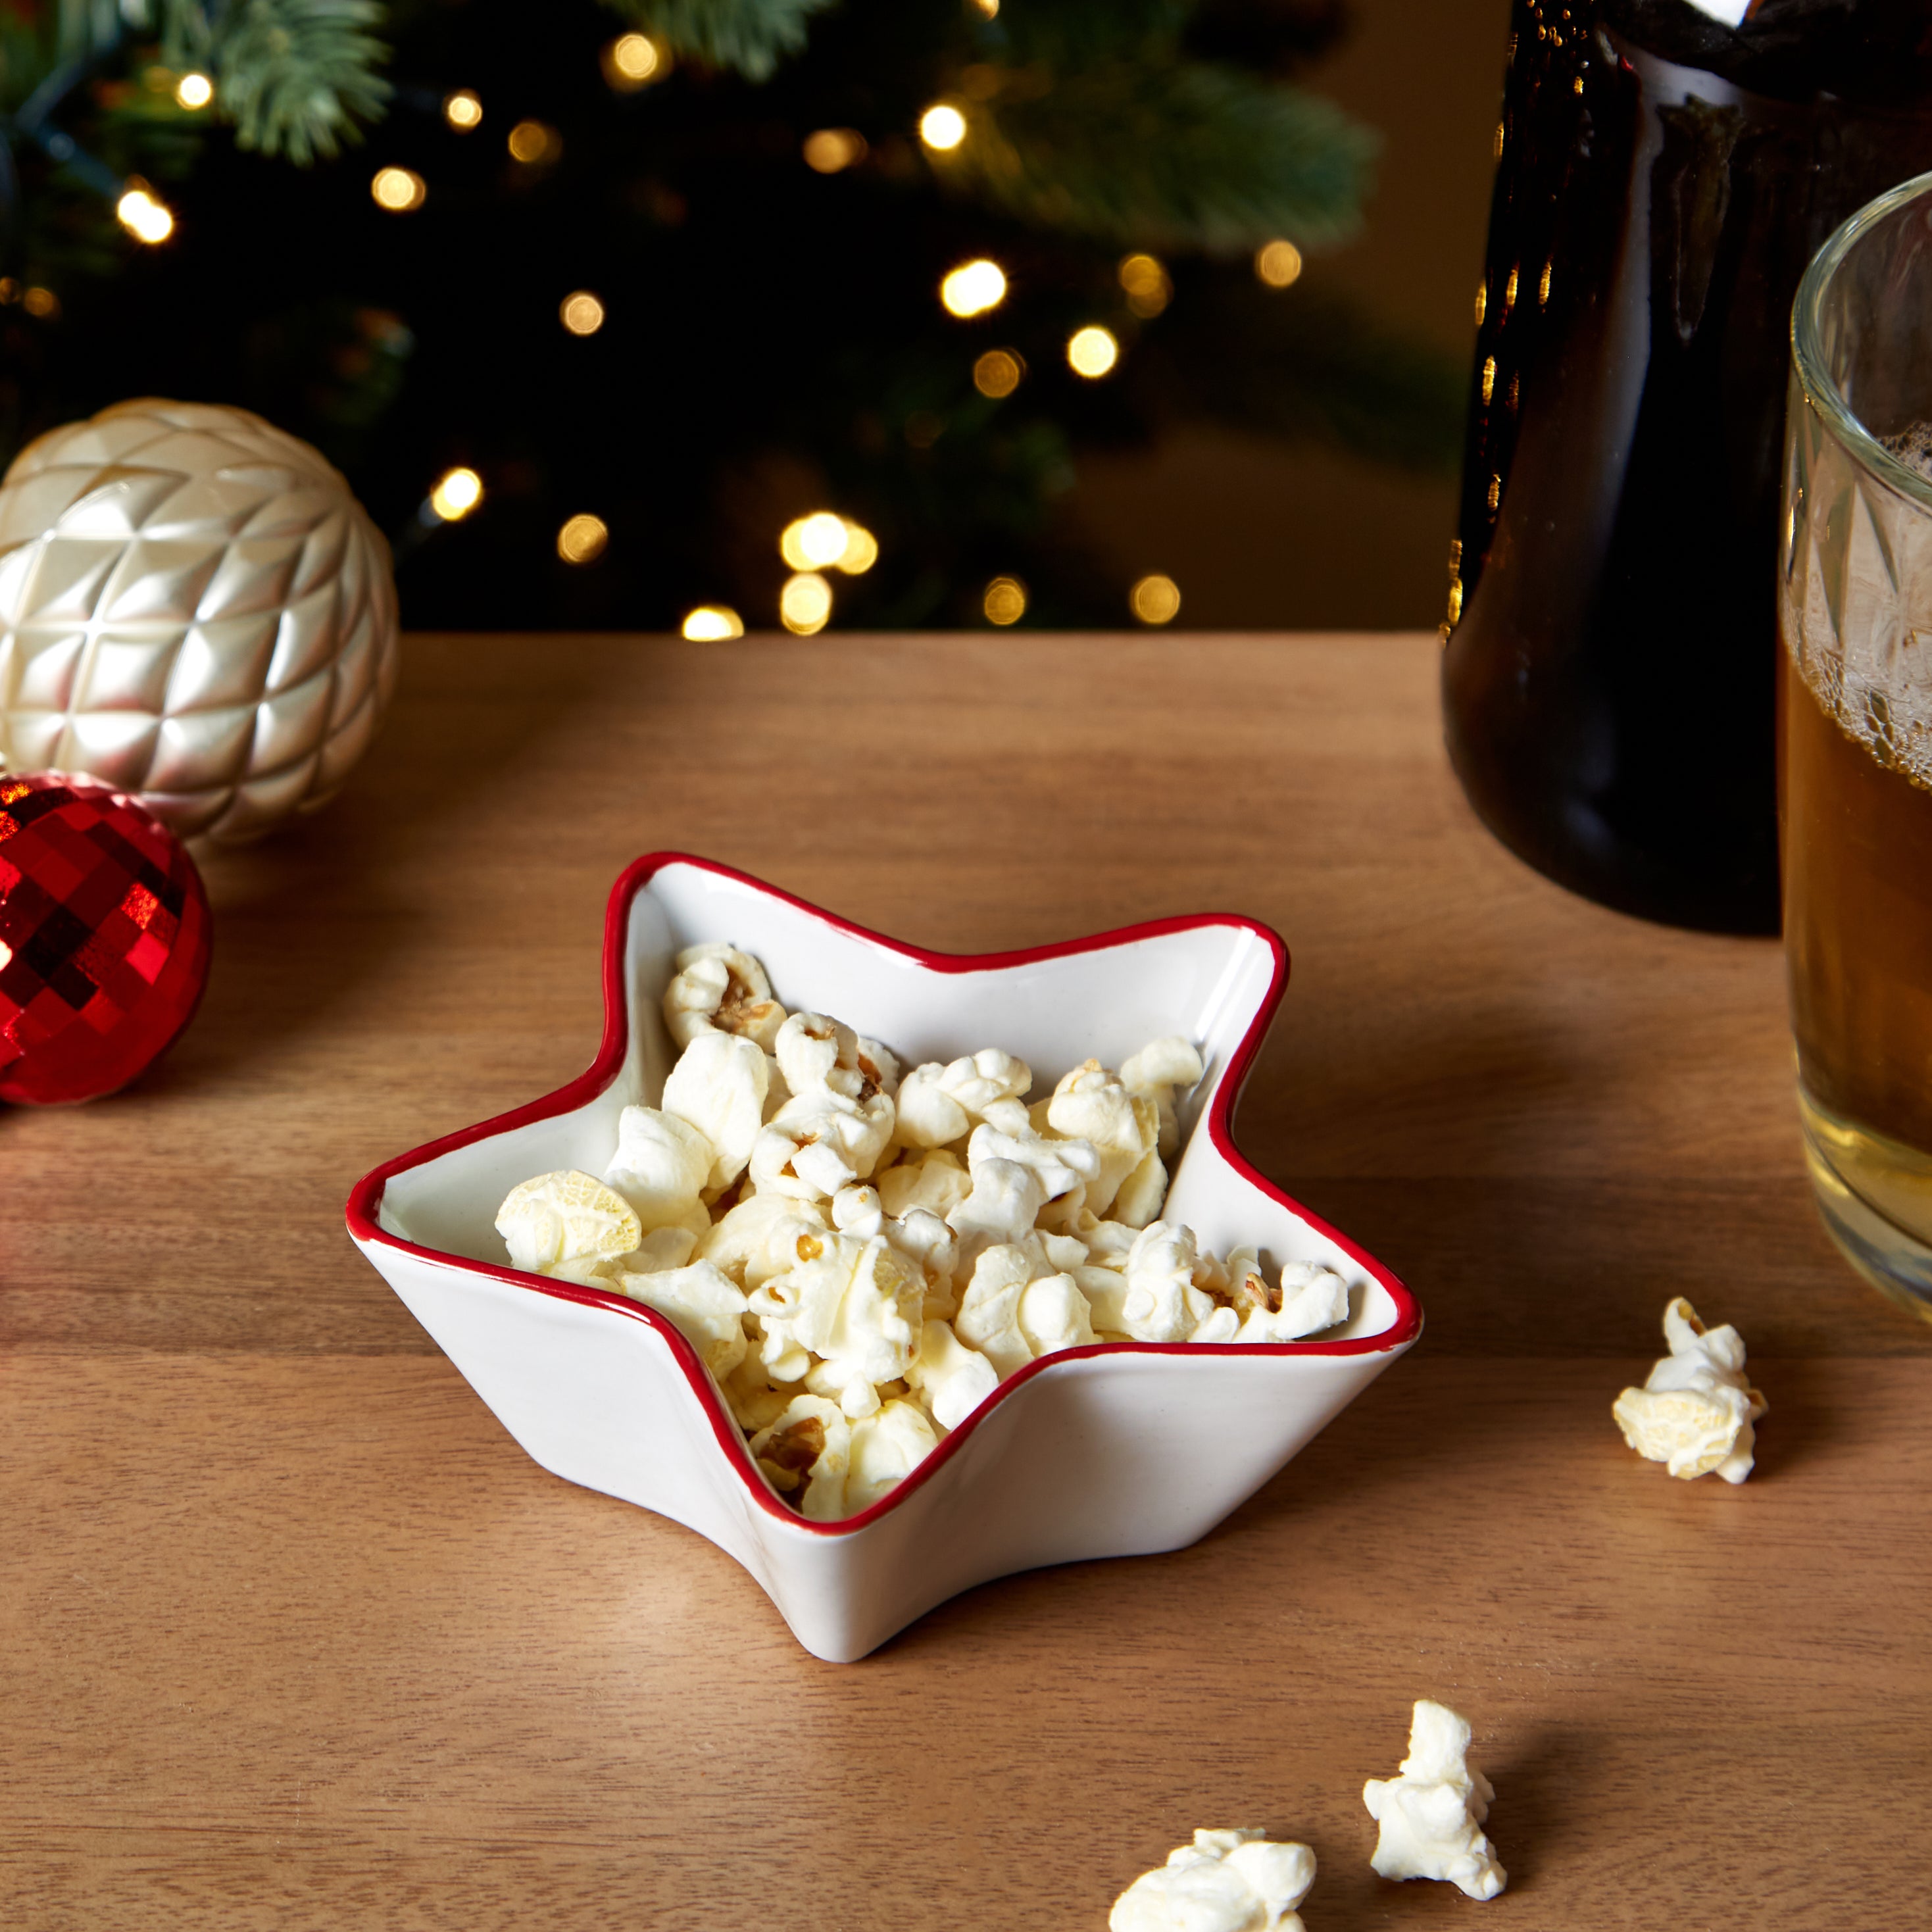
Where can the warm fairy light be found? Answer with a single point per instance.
(989, 8)
(1155, 599)
(462, 109)
(457, 492)
(861, 551)
(1092, 351)
(942, 127)
(1005, 601)
(193, 90)
(1145, 280)
(829, 149)
(630, 60)
(1278, 263)
(583, 539)
(711, 624)
(581, 312)
(805, 604)
(972, 288)
(399, 190)
(41, 302)
(143, 216)
(531, 141)
(998, 373)
(814, 542)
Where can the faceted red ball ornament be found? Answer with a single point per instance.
(103, 938)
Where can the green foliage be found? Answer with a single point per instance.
(1191, 156)
(294, 76)
(750, 37)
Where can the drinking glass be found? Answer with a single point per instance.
(1855, 731)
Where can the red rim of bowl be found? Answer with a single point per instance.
(365, 1198)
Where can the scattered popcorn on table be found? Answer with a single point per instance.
(860, 1259)
(1432, 1813)
(1696, 1411)
(1224, 1882)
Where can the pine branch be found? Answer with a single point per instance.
(1191, 156)
(1070, 33)
(295, 76)
(750, 37)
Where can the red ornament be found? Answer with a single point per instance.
(103, 938)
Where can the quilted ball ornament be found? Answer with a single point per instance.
(103, 938)
(193, 608)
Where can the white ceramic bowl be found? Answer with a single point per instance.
(1117, 1450)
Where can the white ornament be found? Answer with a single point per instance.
(194, 608)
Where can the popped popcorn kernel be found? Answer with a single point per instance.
(1696, 1412)
(1433, 1811)
(565, 1217)
(1236, 1881)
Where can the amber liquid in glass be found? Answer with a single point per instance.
(1857, 838)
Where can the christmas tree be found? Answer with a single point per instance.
(659, 280)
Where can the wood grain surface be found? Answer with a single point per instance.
(292, 1636)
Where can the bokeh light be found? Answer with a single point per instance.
(824, 539)
(1092, 351)
(581, 312)
(942, 128)
(862, 549)
(1148, 288)
(41, 302)
(632, 61)
(1278, 263)
(193, 89)
(531, 142)
(988, 9)
(972, 288)
(998, 373)
(1155, 599)
(462, 109)
(829, 149)
(1005, 601)
(805, 604)
(143, 216)
(457, 492)
(583, 539)
(711, 624)
(399, 190)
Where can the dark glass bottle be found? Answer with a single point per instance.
(1611, 647)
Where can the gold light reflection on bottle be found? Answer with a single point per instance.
(1488, 376)
(194, 89)
(581, 312)
(942, 128)
(1092, 351)
(805, 604)
(1149, 289)
(1482, 302)
(583, 539)
(462, 110)
(1509, 292)
(1496, 146)
(144, 217)
(1495, 495)
(711, 624)
(998, 373)
(1543, 285)
(1155, 599)
(1005, 601)
(531, 142)
(1278, 263)
(972, 288)
(631, 61)
(398, 189)
(457, 492)
(830, 149)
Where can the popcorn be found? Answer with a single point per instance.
(718, 1085)
(706, 1309)
(1225, 1882)
(718, 989)
(565, 1217)
(1155, 1072)
(1432, 1812)
(953, 1379)
(1696, 1412)
(859, 1259)
(661, 1167)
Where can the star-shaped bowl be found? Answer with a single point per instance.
(1119, 1449)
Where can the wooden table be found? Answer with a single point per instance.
(292, 1635)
